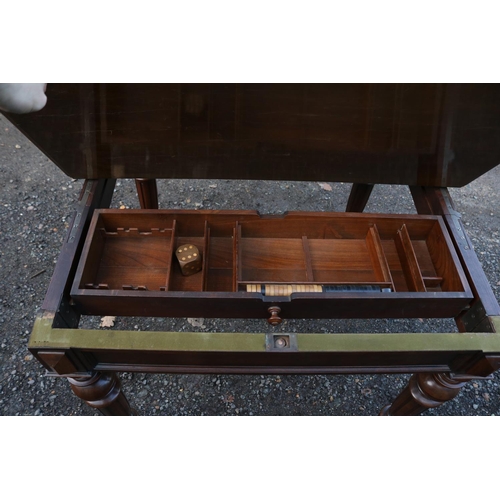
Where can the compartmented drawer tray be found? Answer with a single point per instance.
(238, 264)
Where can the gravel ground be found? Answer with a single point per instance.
(34, 206)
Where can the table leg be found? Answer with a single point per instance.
(102, 390)
(360, 193)
(424, 391)
(147, 192)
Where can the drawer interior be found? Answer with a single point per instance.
(244, 253)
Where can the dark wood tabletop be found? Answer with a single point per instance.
(413, 134)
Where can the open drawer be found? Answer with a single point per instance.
(300, 265)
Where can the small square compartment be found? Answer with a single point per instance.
(128, 259)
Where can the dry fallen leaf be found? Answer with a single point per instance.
(325, 186)
(196, 321)
(107, 321)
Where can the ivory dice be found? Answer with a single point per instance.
(189, 259)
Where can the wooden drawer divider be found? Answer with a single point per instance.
(409, 261)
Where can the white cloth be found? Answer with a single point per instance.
(22, 97)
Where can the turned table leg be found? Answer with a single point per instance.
(102, 391)
(424, 391)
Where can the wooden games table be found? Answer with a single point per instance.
(298, 265)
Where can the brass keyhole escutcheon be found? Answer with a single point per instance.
(274, 319)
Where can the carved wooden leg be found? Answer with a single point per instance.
(360, 193)
(424, 391)
(102, 391)
(147, 192)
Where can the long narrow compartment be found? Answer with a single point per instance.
(315, 259)
(220, 259)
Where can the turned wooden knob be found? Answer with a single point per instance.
(274, 319)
